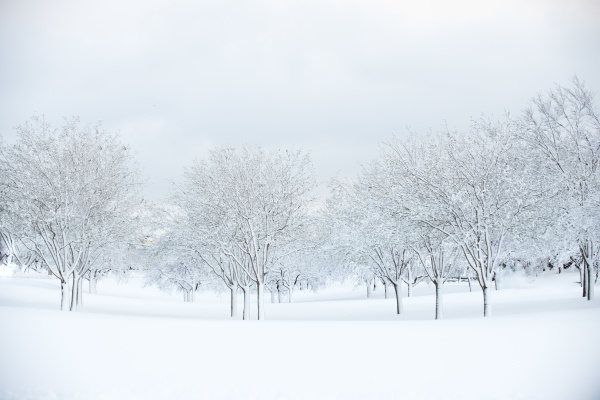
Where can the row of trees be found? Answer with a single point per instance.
(447, 204)
(507, 190)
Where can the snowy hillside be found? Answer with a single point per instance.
(130, 342)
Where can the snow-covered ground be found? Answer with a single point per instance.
(130, 342)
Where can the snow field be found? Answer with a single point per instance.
(136, 343)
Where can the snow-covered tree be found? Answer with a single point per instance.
(171, 253)
(7, 248)
(438, 258)
(413, 274)
(69, 194)
(252, 206)
(307, 266)
(374, 237)
(563, 125)
(475, 189)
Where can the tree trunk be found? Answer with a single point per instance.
(260, 300)
(234, 311)
(290, 290)
(590, 291)
(587, 266)
(487, 306)
(272, 295)
(584, 283)
(469, 279)
(439, 300)
(368, 289)
(589, 263)
(385, 290)
(246, 311)
(74, 287)
(399, 307)
(64, 294)
(278, 294)
(80, 292)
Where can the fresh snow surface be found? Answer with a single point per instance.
(130, 342)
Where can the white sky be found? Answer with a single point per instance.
(332, 77)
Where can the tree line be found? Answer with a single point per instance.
(505, 194)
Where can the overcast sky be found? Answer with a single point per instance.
(334, 78)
